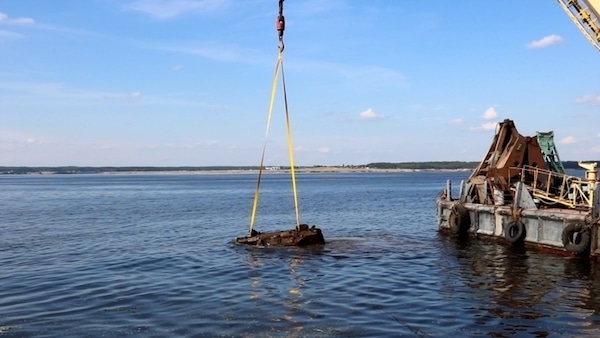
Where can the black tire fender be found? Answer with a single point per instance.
(514, 231)
(459, 220)
(576, 238)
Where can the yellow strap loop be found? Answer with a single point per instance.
(278, 66)
(262, 158)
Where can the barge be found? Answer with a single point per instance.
(520, 194)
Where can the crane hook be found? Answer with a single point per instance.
(280, 25)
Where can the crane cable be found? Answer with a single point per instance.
(280, 25)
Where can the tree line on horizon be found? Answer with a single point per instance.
(449, 165)
(426, 165)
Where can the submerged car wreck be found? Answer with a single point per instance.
(303, 235)
(520, 193)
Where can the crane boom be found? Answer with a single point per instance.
(585, 15)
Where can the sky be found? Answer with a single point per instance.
(188, 82)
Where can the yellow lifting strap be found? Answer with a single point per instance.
(290, 144)
(278, 67)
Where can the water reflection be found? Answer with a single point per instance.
(519, 290)
(280, 274)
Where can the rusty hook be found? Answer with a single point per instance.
(280, 26)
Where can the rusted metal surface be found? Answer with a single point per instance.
(302, 236)
(509, 149)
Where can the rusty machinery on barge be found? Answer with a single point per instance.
(520, 193)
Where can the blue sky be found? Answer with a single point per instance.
(187, 82)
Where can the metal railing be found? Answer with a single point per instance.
(553, 188)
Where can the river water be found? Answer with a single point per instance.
(154, 256)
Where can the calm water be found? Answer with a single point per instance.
(153, 256)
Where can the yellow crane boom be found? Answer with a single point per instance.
(585, 15)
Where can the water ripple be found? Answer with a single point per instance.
(153, 256)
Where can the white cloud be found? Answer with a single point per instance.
(166, 9)
(373, 77)
(183, 146)
(58, 93)
(490, 114)
(568, 140)
(9, 35)
(545, 41)
(52, 90)
(22, 21)
(486, 126)
(29, 89)
(417, 107)
(589, 99)
(364, 78)
(218, 52)
(17, 139)
(313, 150)
(129, 96)
(457, 121)
(4, 19)
(369, 114)
(177, 68)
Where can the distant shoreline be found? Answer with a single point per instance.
(376, 167)
(287, 171)
(304, 170)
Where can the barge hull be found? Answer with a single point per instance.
(543, 229)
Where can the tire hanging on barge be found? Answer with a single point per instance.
(514, 231)
(459, 220)
(576, 238)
